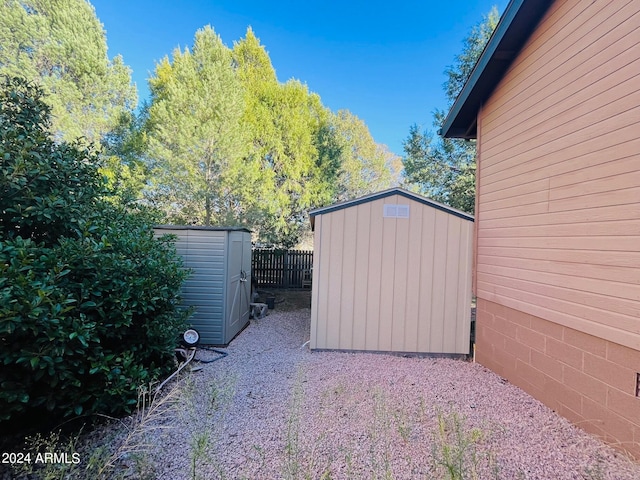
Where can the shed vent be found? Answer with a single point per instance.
(396, 211)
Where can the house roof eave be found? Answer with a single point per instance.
(513, 30)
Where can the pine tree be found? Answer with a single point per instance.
(364, 165)
(287, 127)
(61, 45)
(444, 168)
(196, 142)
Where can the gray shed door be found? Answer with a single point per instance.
(239, 289)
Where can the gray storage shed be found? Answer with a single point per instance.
(219, 287)
(392, 273)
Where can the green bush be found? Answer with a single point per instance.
(89, 299)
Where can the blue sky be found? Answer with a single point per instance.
(383, 61)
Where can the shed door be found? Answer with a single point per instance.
(239, 270)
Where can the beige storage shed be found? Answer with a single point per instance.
(391, 273)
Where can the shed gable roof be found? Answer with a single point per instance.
(516, 25)
(387, 193)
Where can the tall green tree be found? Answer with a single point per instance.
(308, 156)
(472, 47)
(196, 140)
(61, 45)
(229, 143)
(441, 168)
(258, 79)
(364, 165)
(123, 151)
(289, 139)
(444, 168)
(292, 165)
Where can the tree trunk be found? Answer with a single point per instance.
(207, 211)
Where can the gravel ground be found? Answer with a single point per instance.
(272, 409)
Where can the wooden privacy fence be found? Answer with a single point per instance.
(282, 268)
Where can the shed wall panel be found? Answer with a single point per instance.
(452, 270)
(441, 232)
(360, 282)
(315, 334)
(413, 284)
(335, 288)
(374, 276)
(347, 295)
(465, 277)
(203, 252)
(427, 273)
(387, 286)
(391, 284)
(559, 169)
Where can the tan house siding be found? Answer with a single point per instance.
(558, 218)
(392, 284)
(559, 201)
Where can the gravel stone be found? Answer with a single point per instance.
(272, 409)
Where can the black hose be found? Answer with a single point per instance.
(220, 352)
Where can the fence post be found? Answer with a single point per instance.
(285, 269)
